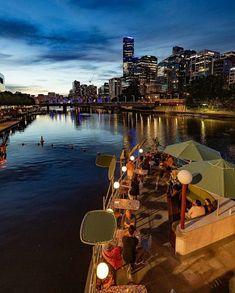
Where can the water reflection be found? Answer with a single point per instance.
(45, 192)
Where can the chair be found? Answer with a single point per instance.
(146, 246)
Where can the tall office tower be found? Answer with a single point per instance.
(148, 68)
(201, 64)
(2, 83)
(91, 91)
(76, 88)
(128, 55)
(115, 87)
(232, 76)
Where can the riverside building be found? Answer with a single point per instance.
(201, 64)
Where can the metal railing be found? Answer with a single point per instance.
(97, 249)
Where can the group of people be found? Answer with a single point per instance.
(198, 209)
(122, 250)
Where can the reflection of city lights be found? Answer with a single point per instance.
(203, 133)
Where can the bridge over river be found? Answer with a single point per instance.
(112, 106)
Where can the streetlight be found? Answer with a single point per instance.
(102, 270)
(132, 158)
(116, 185)
(124, 168)
(141, 151)
(185, 178)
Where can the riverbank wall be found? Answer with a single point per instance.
(183, 111)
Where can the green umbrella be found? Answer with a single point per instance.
(217, 177)
(192, 151)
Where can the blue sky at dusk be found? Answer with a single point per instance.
(47, 44)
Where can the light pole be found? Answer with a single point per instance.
(185, 178)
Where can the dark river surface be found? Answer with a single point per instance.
(46, 191)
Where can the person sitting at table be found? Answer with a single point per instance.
(130, 243)
(134, 191)
(208, 206)
(146, 165)
(112, 254)
(118, 217)
(196, 210)
(128, 219)
(130, 169)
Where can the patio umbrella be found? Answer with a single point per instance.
(192, 150)
(217, 176)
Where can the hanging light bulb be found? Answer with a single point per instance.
(124, 168)
(116, 185)
(102, 270)
(132, 158)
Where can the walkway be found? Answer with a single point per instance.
(208, 270)
(7, 125)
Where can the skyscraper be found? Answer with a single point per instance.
(128, 55)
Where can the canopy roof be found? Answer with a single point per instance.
(217, 176)
(192, 151)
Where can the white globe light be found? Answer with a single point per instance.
(116, 185)
(132, 158)
(185, 177)
(124, 168)
(102, 270)
(141, 151)
(110, 211)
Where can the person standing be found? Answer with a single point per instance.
(129, 249)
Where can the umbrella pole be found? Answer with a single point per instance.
(218, 208)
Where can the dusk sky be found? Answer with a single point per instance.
(46, 44)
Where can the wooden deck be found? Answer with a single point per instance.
(208, 270)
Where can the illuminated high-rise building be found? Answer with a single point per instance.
(148, 68)
(201, 64)
(128, 55)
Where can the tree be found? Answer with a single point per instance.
(211, 90)
(132, 90)
(8, 98)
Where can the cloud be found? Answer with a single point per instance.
(5, 56)
(66, 46)
(25, 89)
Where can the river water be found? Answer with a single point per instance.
(46, 191)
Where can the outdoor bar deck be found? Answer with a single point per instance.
(210, 269)
(201, 258)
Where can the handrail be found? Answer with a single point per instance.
(96, 252)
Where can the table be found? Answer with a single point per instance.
(141, 172)
(125, 289)
(125, 204)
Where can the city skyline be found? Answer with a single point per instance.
(47, 45)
